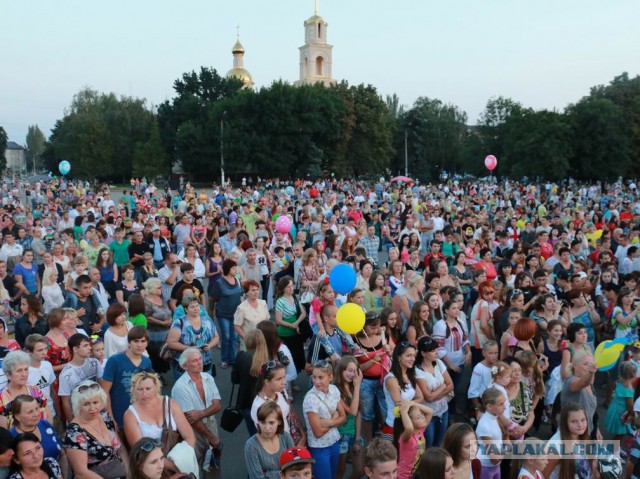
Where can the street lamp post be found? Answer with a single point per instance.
(406, 154)
(224, 113)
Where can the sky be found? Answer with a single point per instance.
(542, 53)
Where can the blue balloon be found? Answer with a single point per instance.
(64, 167)
(342, 279)
(289, 190)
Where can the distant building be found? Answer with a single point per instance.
(239, 71)
(16, 156)
(316, 53)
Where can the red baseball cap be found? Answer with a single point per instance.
(295, 455)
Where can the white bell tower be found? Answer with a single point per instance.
(316, 53)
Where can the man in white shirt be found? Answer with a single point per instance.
(199, 398)
(106, 203)
(10, 249)
(98, 288)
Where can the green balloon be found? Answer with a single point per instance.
(333, 174)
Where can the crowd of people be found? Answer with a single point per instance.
(484, 304)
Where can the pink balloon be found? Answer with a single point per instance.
(490, 162)
(283, 224)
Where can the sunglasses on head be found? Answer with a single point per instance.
(150, 445)
(322, 364)
(273, 364)
(86, 387)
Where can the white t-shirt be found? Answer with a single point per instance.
(434, 381)
(43, 377)
(488, 427)
(480, 380)
(282, 402)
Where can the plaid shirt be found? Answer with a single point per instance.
(371, 245)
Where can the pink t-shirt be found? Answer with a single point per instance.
(410, 453)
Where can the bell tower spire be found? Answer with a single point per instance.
(316, 54)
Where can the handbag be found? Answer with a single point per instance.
(169, 437)
(296, 429)
(231, 416)
(166, 353)
(112, 468)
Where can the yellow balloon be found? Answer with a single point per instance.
(350, 318)
(606, 355)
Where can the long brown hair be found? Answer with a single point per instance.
(568, 467)
(346, 389)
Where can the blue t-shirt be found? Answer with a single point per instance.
(29, 276)
(119, 370)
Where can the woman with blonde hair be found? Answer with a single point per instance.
(246, 371)
(150, 411)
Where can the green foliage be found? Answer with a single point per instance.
(3, 148)
(196, 94)
(35, 146)
(149, 158)
(99, 135)
(601, 142)
(436, 136)
(625, 92)
(539, 144)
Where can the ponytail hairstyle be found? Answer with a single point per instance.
(498, 369)
(528, 361)
(398, 426)
(267, 373)
(256, 343)
(353, 294)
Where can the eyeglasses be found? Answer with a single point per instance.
(322, 364)
(150, 445)
(406, 344)
(93, 387)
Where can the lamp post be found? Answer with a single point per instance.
(406, 154)
(224, 113)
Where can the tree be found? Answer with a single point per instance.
(149, 158)
(494, 123)
(601, 141)
(35, 146)
(3, 149)
(625, 92)
(197, 147)
(100, 133)
(435, 136)
(538, 144)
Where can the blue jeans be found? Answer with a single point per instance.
(371, 391)
(228, 340)
(434, 434)
(326, 458)
(251, 426)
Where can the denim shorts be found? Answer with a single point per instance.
(370, 393)
(347, 441)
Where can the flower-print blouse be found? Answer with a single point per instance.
(79, 438)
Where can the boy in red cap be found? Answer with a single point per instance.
(295, 463)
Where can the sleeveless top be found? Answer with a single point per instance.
(151, 430)
(555, 357)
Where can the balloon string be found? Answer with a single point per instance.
(387, 369)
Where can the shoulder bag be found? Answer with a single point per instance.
(169, 437)
(112, 468)
(231, 416)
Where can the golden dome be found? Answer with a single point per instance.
(241, 74)
(237, 48)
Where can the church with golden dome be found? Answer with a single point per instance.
(315, 56)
